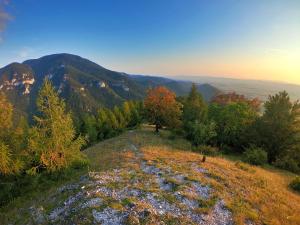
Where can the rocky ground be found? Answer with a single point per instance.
(144, 192)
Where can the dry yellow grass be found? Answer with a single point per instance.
(250, 192)
(261, 195)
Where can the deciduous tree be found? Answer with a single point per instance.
(162, 108)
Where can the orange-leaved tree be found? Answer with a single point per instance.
(162, 109)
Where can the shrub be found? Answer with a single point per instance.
(207, 150)
(295, 184)
(255, 156)
(201, 133)
(287, 163)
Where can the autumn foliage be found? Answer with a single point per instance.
(232, 97)
(161, 107)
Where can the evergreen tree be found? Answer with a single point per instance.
(52, 141)
(195, 116)
(89, 128)
(127, 112)
(6, 113)
(194, 108)
(279, 130)
(120, 118)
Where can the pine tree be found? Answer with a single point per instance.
(89, 128)
(52, 141)
(194, 108)
(6, 113)
(195, 121)
(127, 112)
(120, 118)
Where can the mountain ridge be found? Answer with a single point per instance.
(85, 85)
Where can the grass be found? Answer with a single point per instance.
(261, 194)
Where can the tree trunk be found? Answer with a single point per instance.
(156, 127)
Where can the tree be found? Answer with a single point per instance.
(194, 108)
(162, 108)
(89, 128)
(232, 97)
(279, 129)
(194, 116)
(52, 141)
(6, 113)
(120, 118)
(233, 121)
(202, 133)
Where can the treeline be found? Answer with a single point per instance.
(56, 139)
(233, 124)
(108, 123)
(48, 150)
(230, 123)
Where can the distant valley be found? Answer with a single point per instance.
(250, 88)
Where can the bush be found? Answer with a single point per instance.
(287, 163)
(255, 156)
(295, 184)
(202, 133)
(207, 150)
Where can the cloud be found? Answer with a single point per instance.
(4, 17)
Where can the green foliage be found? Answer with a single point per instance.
(232, 123)
(194, 108)
(279, 129)
(201, 133)
(6, 114)
(255, 156)
(28, 185)
(295, 184)
(5, 159)
(52, 142)
(288, 162)
(198, 129)
(207, 150)
(89, 128)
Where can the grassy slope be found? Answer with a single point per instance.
(261, 195)
(250, 192)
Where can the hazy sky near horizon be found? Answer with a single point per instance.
(247, 39)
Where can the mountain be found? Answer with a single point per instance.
(84, 85)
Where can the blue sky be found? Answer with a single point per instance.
(257, 39)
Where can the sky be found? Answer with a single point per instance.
(246, 39)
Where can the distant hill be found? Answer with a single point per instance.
(250, 88)
(85, 85)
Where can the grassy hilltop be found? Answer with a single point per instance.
(144, 178)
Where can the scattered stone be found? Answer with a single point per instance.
(220, 215)
(96, 186)
(149, 169)
(38, 214)
(94, 202)
(201, 190)
(69, 187)
(161, 206)
(109, 216)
